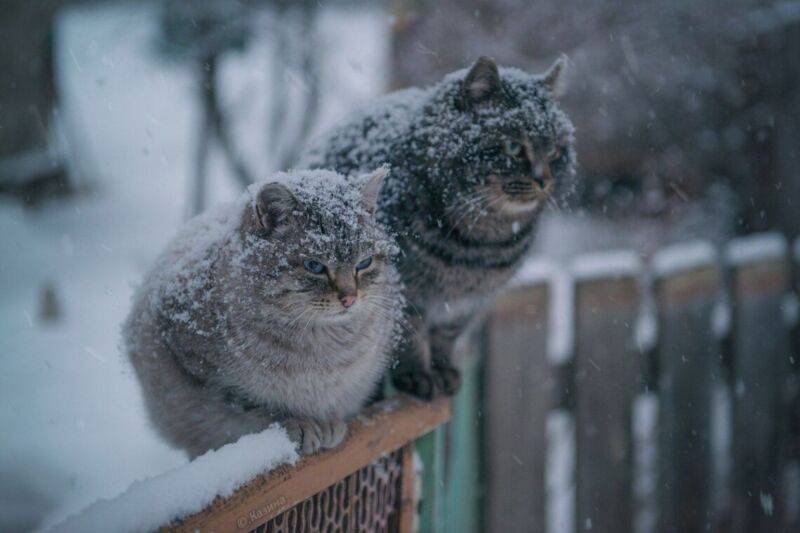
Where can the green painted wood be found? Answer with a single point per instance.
(430, 449)
(463, 494)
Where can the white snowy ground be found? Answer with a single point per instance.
(73, 425)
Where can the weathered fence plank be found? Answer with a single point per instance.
(518, 396)
(793, 475)
(689, 369)
(607, 376)
(760, 279)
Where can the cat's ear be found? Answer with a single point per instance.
(555, 77)
(273, 205)
(372, 188)
(482, 82)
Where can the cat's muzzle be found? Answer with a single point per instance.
(527, 190)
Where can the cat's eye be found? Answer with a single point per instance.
(315, 267)
(555, 153)
(364, 264)
(512, 148)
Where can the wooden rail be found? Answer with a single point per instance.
(384, 428)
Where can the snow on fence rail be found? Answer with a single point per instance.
(260, 484)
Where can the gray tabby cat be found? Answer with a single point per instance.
(474, 160)
(279, 308)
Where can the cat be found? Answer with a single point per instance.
(474, 160)
(281, 307)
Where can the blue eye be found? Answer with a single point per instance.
(365, 263)
(315, 267)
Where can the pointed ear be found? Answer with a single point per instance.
(555, 76)
(273, 206)
(482, 82)
(372, 188)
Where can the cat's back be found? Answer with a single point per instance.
(179, 284)
(371, 136)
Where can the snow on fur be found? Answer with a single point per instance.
(182, 272)
(430, 125)
(154, 502)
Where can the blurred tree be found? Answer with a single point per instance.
(31, 166)
(669, 98)
(203, 31)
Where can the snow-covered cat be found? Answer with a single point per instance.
(474, 159)
(281, 307)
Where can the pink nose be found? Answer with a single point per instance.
(347, 301)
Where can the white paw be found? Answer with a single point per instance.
(312, 436)
(333, 432)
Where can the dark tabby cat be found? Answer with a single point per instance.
(474, 160)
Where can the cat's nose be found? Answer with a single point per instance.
(542, 176)
(347, 301)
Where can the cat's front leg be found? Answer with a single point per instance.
(442, 341)
(412, 371)
(314, 435)
(423, 366)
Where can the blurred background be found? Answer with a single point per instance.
(119, 120)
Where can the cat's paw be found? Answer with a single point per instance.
(305, 433)
(427, 385)
(332, 433)
(447, 379)
(312, 436)
(416, 383)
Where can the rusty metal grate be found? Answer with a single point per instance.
(365, 484)
(367, 500)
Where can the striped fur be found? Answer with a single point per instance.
(474, 159)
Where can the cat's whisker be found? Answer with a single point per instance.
(297, 319)
(467, 211)
(488, 206)
(552, 201)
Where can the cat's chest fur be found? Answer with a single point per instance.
(311, 378)
(449, 292)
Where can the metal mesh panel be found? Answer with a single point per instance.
(367, 500)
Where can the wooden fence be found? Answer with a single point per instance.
(614, 394)
(626, 395)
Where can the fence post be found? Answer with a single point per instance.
(518, 393)
(687, 285)
(793, 475)
(759, 281)
(607, 376)
(464, 484)
(431, 450)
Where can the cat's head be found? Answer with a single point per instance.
(312, 240)
(508, 128)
